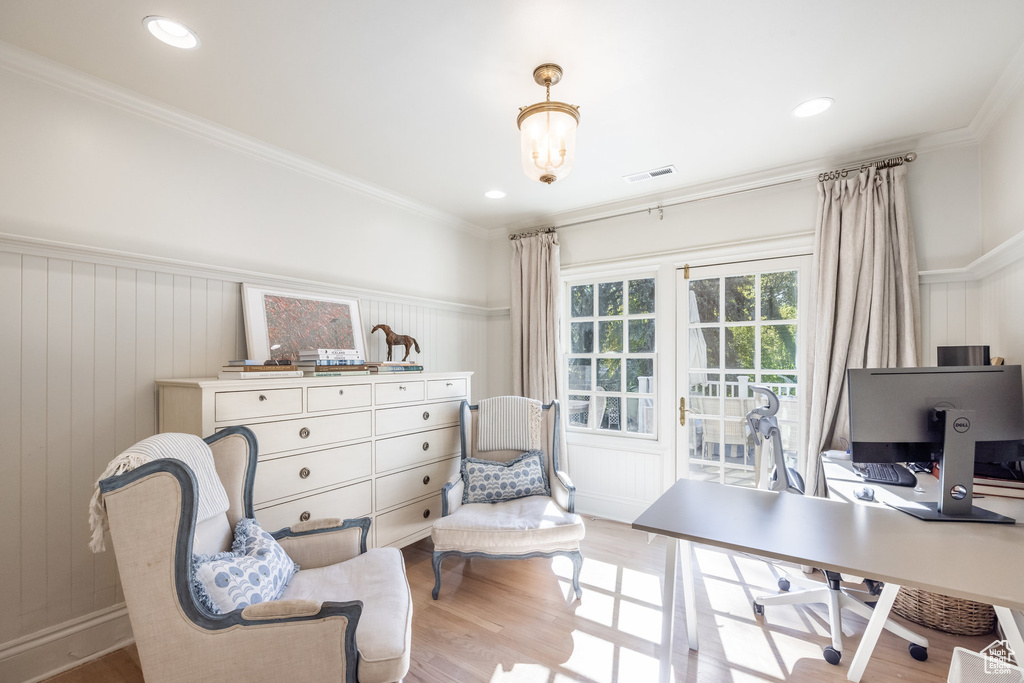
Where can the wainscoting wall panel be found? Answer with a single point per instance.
(80, 347)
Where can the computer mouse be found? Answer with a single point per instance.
(864, 493)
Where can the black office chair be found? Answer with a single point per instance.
(765, 426)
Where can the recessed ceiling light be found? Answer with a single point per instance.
(494, 194)
(171, 32)
(813, 107)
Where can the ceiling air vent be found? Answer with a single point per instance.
(647, 175)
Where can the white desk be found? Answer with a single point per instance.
(980, 562)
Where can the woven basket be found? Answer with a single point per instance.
(941, 612)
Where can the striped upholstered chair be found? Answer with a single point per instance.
(509, 503)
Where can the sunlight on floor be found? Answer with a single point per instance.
(640, 621)
(597, 607)
(522, 673)
(591, 657)
(641, 586)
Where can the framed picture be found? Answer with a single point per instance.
(280, 323)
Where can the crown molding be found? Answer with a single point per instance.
(758, 180)
(1006, 88)
(34, 246)
(55, 75)
(1006, 254)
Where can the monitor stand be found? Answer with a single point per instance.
(956, 476)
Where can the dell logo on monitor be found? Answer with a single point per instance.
(962, 424)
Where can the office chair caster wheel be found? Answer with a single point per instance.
(832, 655)
(758, 609)
(874, 587)
(784, 585)
(918, 652)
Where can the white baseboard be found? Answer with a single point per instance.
(65, 646)
(608, 508)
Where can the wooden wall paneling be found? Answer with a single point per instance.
(163, 325)
(234, 332)
(214, 329)
(926, 332)
(10, 447)
(124, 372)
(956, 316)
(973, 317)
(197, 328)
(83, 349)
(105, 400)
(33, 443)
(58, 516)
(181, 324)
(145, 354)
(937, 321)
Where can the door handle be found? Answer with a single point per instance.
(683, 410)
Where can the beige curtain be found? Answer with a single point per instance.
(534, 313)
(865, 299)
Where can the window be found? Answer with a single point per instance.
(611, 358)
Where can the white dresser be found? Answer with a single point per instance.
(364, 446)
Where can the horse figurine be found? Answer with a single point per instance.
(392, 339)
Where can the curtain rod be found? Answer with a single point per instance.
(886, 162)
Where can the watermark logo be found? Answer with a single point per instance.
(999, 658)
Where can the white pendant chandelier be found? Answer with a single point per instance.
(548, 131)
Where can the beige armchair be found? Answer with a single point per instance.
(345, 616)
(531, 526)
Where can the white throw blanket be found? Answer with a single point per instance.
(509, 423)
(189, 449)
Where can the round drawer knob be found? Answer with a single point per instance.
(426, 445)
(262, 397)
(448, 384)
(426, 480)
(341, 392)
(304, 517)
(304, 473)
(426, 415)
(426, 513)
(304, 433)
(401, 387)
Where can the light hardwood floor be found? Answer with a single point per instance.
(504, 621)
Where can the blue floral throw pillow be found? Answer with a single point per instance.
(256, 570)
(487, 481)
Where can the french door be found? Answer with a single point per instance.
(736, 325)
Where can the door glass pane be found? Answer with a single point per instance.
(738, 386)
(708, 343)
(739, 347)
(778, 296)
(705, 398)
(705, 294)
(610, 336)
(608, 413)
(640, 375)
(579, 410)
(739, 299)
(778, 347)
(609, 374)
(582, 301)
(579, 374)
(640, 415)
(582, 337)
(641, 335)
(641, 296)
(609, 298)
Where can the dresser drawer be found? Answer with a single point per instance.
(338, 397)
(295, 474)
(394, 420)
(406, 521)
(402, 451)
(249, 405)
(399, 487)
(345, 503)
(309, 432)
(399, 392)
(446, 388)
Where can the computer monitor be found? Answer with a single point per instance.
(956, 415)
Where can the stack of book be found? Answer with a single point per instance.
(254, 369)
(389, 366)
(331, 363)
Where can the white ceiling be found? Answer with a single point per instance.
(420, 98)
